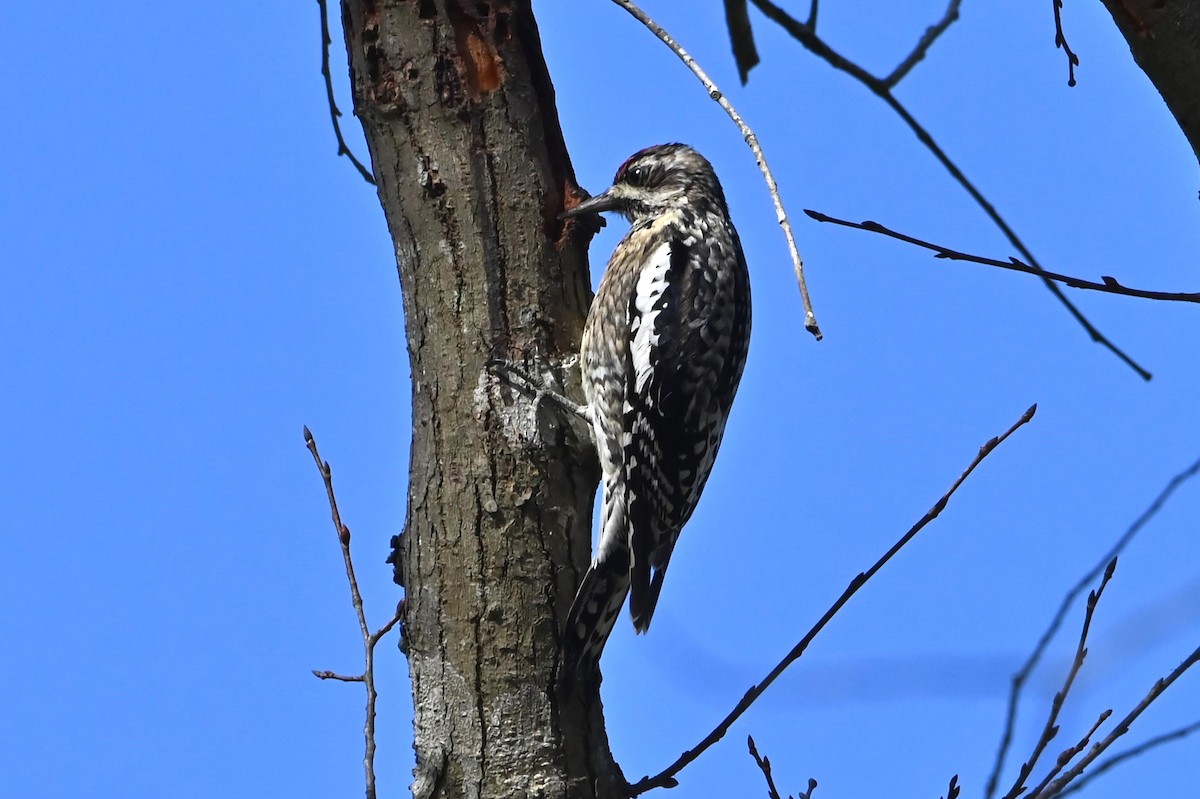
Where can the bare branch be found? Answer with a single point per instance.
(1051, 727)
(923, 44)
(1060, 40)
(667, 776)
(954, 790)
(370, 639)
(1129, 754)
(1161, 685)
(806, 35)
(1107, 285)
(810, 319)
(1018, 680)
(334, 112)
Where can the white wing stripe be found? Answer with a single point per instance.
(651, 283)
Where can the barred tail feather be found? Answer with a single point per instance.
(593, 613)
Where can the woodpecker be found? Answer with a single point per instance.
(663, 350)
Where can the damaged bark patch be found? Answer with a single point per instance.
(382, 85)
(481, 63)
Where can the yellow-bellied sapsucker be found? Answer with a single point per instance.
(663, 350)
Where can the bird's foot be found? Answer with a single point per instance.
(521, 380)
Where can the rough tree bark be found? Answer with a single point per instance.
(472, 171)
(1164, 37)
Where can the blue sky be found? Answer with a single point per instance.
(191, 276)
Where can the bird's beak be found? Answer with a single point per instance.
(606, 201)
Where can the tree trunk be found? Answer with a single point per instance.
(1164, 37)
(465, 145)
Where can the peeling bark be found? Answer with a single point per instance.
(1164, 37)
(472, 171)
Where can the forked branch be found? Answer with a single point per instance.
(764, 765)
(1019, 679)
(1129, 754)
(1060, 40)
(334, 112)
(1056, 787)
(370, 639)
(806, 35)
(1050, 729)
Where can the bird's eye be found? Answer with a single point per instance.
(638, 176)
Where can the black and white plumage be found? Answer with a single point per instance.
(663, 351)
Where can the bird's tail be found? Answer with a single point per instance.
(593, 613)
(644, 596)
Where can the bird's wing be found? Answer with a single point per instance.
(674, 408)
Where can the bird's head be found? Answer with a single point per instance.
(656, 179)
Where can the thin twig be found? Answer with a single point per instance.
(810, 318)
(954, 790)
(334, 112)
(1128, 754)
(343, 532)
(1051, 727)
(1107, 285)
(764, 764)
(923, 44)
(1161, 685)
(1018, 680)
(370, 639)
(808, 38)
(1067, 755)
(1060, 40)
(667, 776)
(321, 674)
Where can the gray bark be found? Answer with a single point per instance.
(465, 145)
(1164, 37)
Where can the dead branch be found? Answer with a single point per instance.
(666, 778)
(810, 318)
